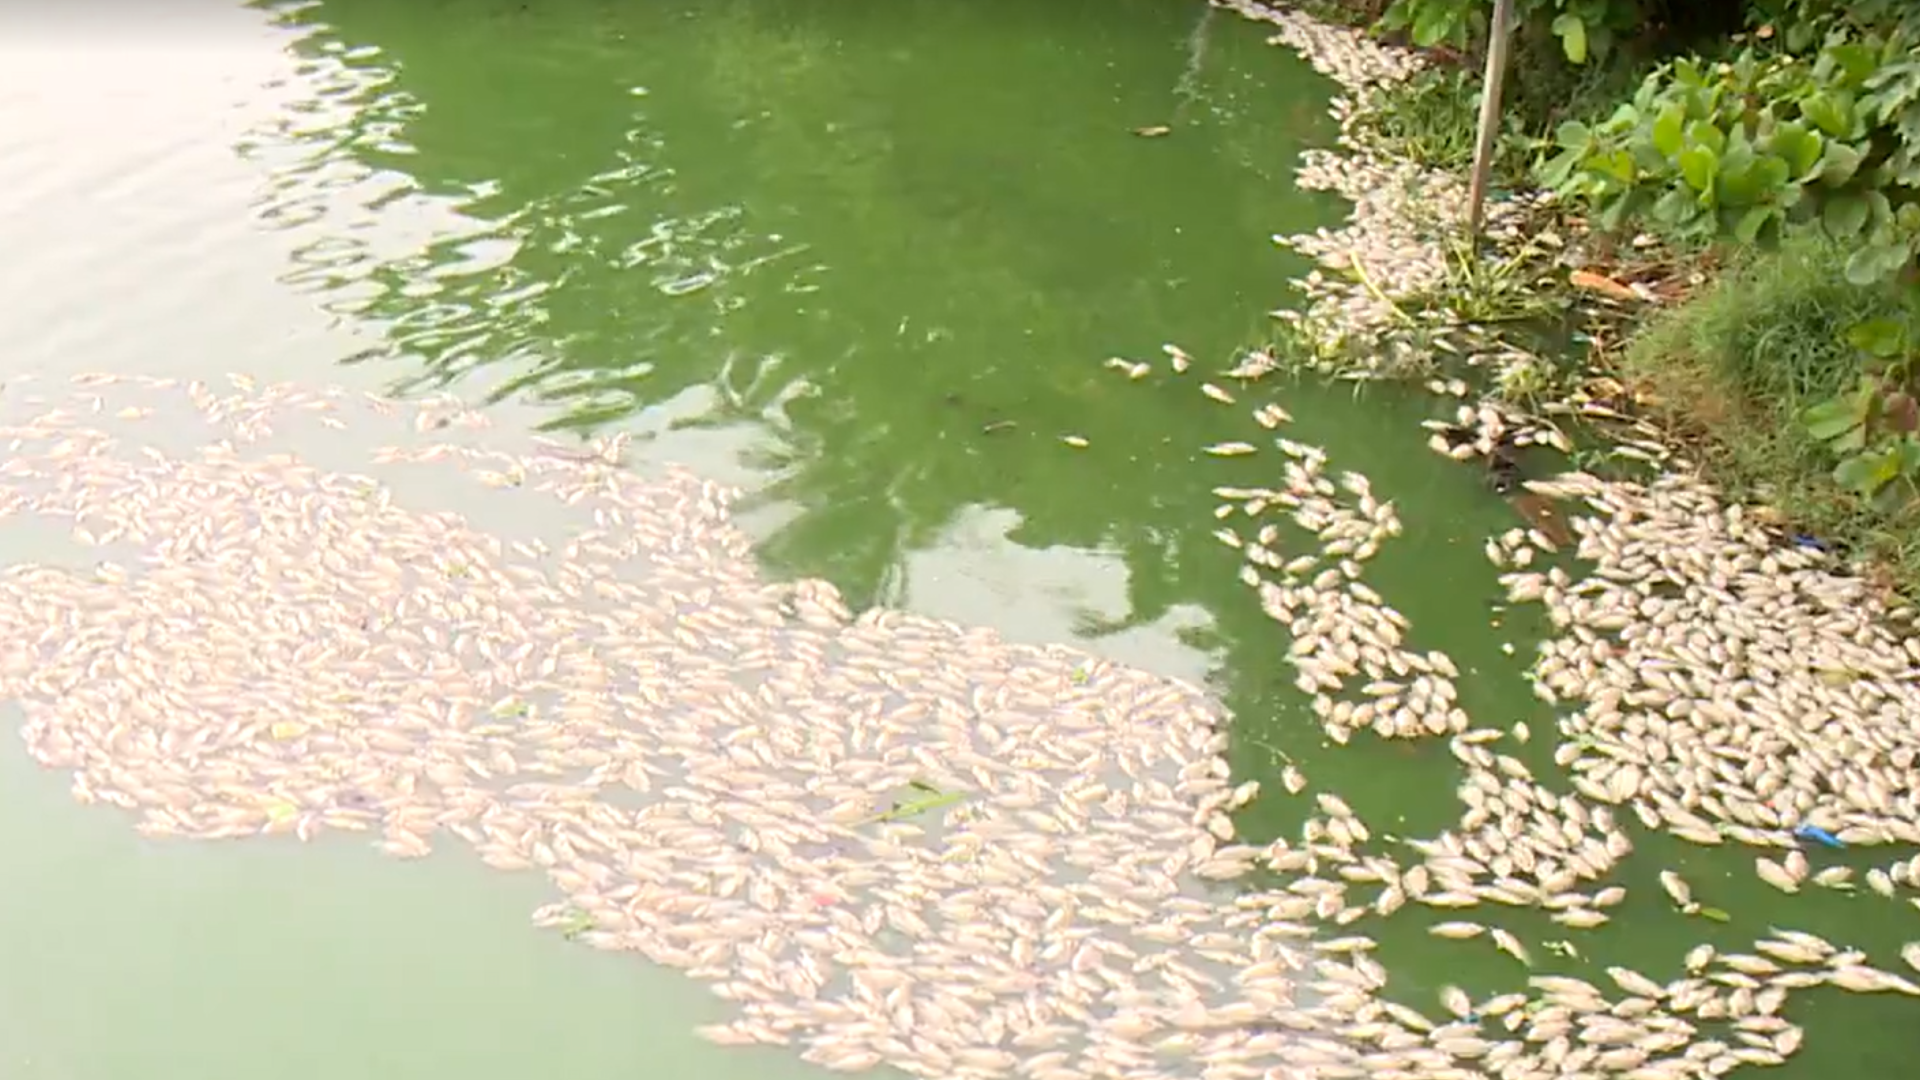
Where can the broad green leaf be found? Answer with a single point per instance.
(1830, 418)
(1831, 429)
(1434, 24)
(1748, 228)
(1698, 166)
(1559, 169)
(1704, 133)
(1880, 338)
(1853, 61)
(1572, 33)
(1831, 111)
(1882, 213)
(1796, 146)
(1670, 130)
(1572, 135)
(1757, 180)
(1676, 208)
(1613, 164)
(1865, 473)
(1844, 215)
(1874, 262)
(1840, 162)
(1614, 214)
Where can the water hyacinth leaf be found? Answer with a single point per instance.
(1840, 163)
(1874, 262)
(1436, 23)
(1753, 224)
(1882, 338)
(1747, 178)
(1831, 418)
(1699, 165)
(1708, 136)
(1676, 209)
(1669, 132)
(1867, 472)
(1573, 135)
(1799, 148)
(1831, 110)
(1854, 62)
(1844, 215)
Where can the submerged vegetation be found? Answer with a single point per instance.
(1733, 227)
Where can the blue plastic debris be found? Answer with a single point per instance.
(1813, 542)
(1815, 832)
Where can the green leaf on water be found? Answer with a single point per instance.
(933, 800)
(1715, 914)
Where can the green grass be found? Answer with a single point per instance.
(1736, 365)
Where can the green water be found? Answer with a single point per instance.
(863, 259)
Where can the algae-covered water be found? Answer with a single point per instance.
(864, 260)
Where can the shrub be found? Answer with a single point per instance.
(1742, 148)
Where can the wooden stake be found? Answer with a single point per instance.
(1498, 40)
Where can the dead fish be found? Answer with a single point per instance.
(1510, 945)
(1775, 875)
(1676, 887)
